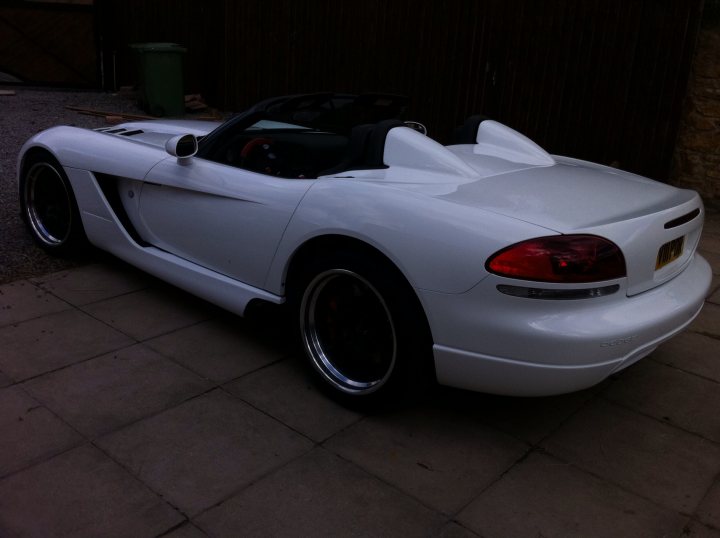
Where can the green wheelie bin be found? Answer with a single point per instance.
(160, 69)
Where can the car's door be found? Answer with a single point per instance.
(221, 217)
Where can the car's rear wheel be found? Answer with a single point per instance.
(49, 207)
(362, 329)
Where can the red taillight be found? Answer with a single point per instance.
(560, 258)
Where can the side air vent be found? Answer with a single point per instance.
(132, 133)
(109, 187)
(682, 220)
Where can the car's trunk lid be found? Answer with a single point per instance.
(641, 216)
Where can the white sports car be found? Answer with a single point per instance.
(487, 264)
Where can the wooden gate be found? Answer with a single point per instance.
(49, 42)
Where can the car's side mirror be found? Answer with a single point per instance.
(182, 146)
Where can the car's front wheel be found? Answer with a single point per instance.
(48, 205)
(362, 329)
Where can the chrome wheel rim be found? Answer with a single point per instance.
(47, 204)
(348, 331)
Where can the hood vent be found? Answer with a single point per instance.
(119, 131)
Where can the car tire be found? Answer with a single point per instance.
(363, 330)
(49, 207)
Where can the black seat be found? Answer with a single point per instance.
(354, 152)
(467, 132)
(366, 148)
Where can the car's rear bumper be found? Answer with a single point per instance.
(490, 342)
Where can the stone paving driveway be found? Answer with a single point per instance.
(129, 409)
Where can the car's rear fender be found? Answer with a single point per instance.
(437, 245)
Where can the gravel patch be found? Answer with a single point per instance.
(22, 115)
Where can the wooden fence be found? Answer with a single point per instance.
(597, 79)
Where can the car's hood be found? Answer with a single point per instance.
(157, 132)
(568, 195)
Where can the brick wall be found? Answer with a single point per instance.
(697, 152)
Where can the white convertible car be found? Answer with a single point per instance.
(487, 264)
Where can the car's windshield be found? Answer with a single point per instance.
(270, 124)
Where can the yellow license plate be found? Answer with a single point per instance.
(669, 252)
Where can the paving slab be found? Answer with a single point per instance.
(619, 464)
(710, 241)
(44, 344)
(286, 392)
(662, 391)
(320, 495)
(29, 433)
(715, 297)
(148, 313)
(455, 530)
(713, 258)
(100, 395)
(528, 419)
(692, 353)
(442, 458)
(714, 286)
(708, 321)
(81, 493)
(543, 496)
(219, 349)
(698, 530)
(21, 301)
(652, 459)
(199, 453)
(187, 530)
(94, 282)
(709, 509)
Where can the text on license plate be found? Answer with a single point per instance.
(669, 252)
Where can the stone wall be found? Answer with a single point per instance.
(697, 152)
